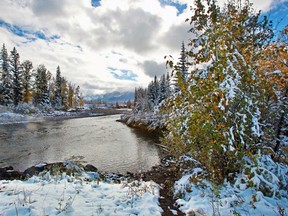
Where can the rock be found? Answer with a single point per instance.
(90, 168)
(130, 175)
(34, 170)
(8, 173)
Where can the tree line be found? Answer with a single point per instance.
(21, 84)
(158, 90)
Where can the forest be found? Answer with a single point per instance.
(28, 90)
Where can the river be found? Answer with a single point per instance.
(109, 145)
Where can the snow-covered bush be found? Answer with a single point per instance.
(47, 108)
(261, 189)
(266, 175)
(25, 108)
(220, 115)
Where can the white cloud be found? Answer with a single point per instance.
(132, 35)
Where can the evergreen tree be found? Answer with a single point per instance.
(4, 60)
(129, 104)
(141, 101)
(168, 88)
(27, 68)
(41, 96)
(64, 93)
(163, 91)
(58, 88)
(77, 97)
(181, 70)
(182, 64)
(16, 76)
(153, 92)
(6, 89)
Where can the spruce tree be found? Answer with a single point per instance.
(64, 93)
(77, 97)
(6, 88)
(58, 88)
(16, 77)
(153, 92)
(163, 91)
(141, 101)
(180, 71)
(182, 64)
(168, 88)
(41, 96)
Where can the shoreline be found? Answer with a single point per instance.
(164, 174)
(9, 117)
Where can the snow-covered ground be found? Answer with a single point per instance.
(9, 117)
(261, 192)
(77, 195)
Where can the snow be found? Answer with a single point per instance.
(10, 117)
(267, 195)
(77, 195)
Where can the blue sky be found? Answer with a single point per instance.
(105, 45)
(28, 35)
(279, 16)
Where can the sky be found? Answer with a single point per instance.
(105, 45)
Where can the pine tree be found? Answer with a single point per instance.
(64, 93)
(17, 76)
(141, 101)
(168, 88)
(180, 71)
(1, 87)
(163, 91)
(41, 96)
(58, 88)
(6, 88)
(77, 97)
(182, 64)
(27, 68)
(153, 92)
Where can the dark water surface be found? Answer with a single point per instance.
(105, 143)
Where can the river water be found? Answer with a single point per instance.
(109, 145)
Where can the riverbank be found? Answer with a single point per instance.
(9, 117)
(69, 188)
(161, 178)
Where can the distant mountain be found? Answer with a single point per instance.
(112, 97)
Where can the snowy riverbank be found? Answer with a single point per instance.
(71, 189)
(260, 189)
(9, 117)
(77, 193)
